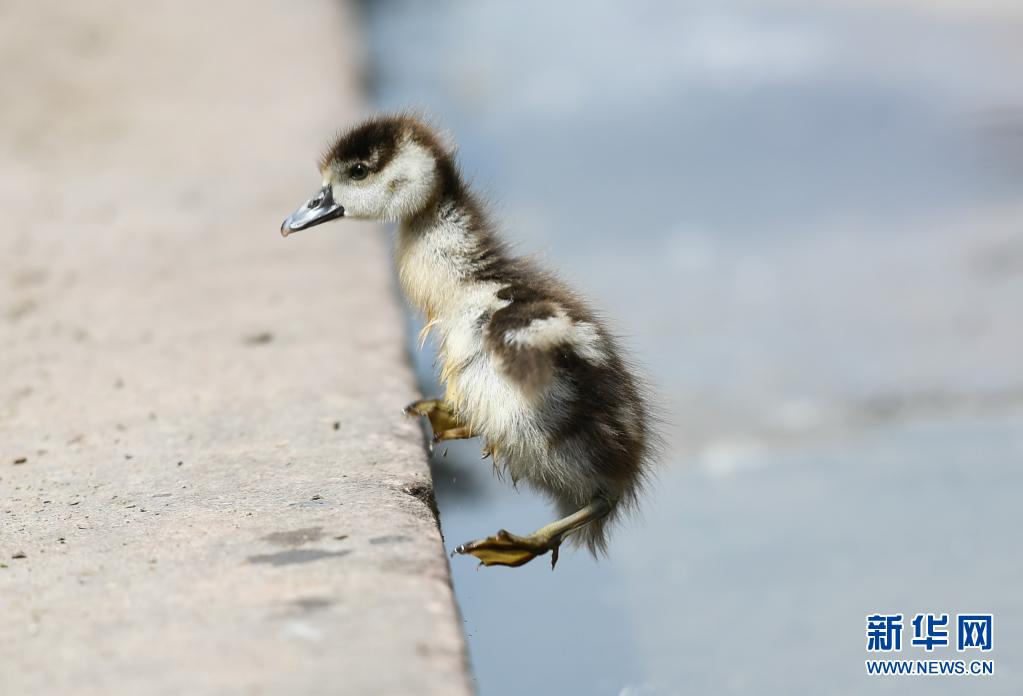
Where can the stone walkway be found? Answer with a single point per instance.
(206, 485)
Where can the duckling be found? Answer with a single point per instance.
(527, 366)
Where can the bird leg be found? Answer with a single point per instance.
(512, 550)
(445, 424)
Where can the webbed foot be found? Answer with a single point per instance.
(459, 433)
(443, 421)
(507, 549)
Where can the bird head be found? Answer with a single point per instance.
(388, 168)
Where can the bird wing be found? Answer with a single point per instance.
(525, 340)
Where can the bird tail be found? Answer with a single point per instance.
(594, 535)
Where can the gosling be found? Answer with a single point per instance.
(526, 364)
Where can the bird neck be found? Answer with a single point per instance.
(437, 252)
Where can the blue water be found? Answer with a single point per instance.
(805, 218)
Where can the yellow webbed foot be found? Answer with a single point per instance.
(443, 421)
(459, 433)
(511, 550)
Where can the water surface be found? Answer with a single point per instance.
(806, 219)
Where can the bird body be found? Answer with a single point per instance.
(526, 364)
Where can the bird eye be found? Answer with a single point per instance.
(358, 171)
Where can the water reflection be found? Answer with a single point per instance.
(805, 218)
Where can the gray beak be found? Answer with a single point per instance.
(319, 208)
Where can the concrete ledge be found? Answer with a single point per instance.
(206, 485)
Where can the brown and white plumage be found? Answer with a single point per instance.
(526, 364)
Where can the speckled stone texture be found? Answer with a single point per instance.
(206, 483)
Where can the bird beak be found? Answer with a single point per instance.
(319, 208)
